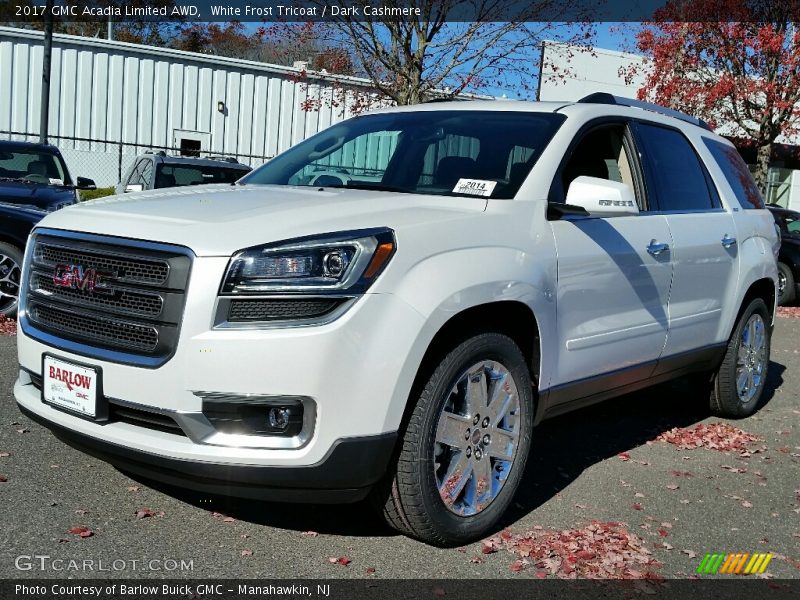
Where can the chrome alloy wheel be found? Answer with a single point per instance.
(10, 275)
(476, 438)
(751, 358)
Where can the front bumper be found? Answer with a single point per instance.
(345, 474)
(357, 370)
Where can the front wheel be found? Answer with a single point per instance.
(740, 380)
(464, 450)
(10, 276)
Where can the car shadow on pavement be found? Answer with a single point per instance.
(562, 449)
(569, 444)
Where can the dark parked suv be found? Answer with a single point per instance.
(788, 222)
(16, 223)
(154, 170)
(35, 175)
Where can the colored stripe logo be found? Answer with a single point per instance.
(734, 564)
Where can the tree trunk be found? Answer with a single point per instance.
(762, 168)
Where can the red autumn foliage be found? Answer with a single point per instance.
(7, 326)
(791, 312)
(716, 436)
(735, 64)
(600, 550)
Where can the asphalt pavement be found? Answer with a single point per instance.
(603, 465)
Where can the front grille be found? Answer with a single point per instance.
(143, 418)
(122, 301)
(136, 270)
(114, 295)
(137, 337)
(282, 309)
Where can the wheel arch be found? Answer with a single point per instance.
(761, 288)
(513, 318)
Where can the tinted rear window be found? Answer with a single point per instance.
(675, 175)
(736, 172)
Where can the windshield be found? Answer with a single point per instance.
(168, 175)
(32, 166)
(457, 152)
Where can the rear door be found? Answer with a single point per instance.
(705, 251)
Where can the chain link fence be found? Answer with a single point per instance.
(107, 161)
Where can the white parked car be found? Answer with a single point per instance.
(387, 309)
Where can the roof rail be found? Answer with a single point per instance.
(606, 98)
(221, 157)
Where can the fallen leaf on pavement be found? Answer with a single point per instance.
(342, 560)
(715, 436)
(310, 534)
(83, 532)
(247, 553)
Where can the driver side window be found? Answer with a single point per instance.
(601, 153)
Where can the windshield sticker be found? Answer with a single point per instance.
(475, 187)
(54, 181)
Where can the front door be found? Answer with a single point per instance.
(614, 273)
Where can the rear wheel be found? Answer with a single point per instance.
(464, 450)
(10, 276)
(786, 285)
(740, 379)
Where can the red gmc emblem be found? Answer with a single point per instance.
(77, 277)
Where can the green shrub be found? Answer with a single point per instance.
(98, 193)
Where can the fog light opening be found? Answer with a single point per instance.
(279, 418)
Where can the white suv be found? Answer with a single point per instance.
(388, 308)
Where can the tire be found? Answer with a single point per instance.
(739, 382)
(786, 285)
(437, 490)
(10, 275)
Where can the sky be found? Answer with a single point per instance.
(609, 36)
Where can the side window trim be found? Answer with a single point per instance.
(558, 195)
(713, 193)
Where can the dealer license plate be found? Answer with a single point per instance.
(70, 386)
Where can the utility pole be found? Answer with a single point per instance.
(110, 35)
(44, 117)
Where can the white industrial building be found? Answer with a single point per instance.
(572, 75)
(110, 101)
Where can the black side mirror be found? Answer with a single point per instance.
(85, 184)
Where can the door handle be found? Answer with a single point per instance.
(655, 248)
(728, 241)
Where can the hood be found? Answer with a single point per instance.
(217, 220)
(27, 212)
(47, 197)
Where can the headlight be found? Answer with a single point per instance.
(335, 263)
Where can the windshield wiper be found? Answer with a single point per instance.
(17, 180)
(378, 187)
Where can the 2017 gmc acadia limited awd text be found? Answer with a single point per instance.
(387, 309)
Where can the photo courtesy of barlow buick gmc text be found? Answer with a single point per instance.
(426, 298)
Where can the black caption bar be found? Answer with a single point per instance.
(375, 589)
(380, 10)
